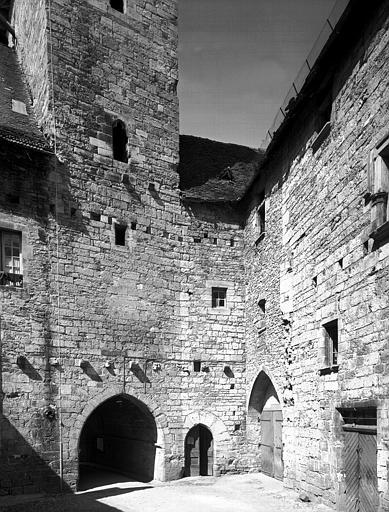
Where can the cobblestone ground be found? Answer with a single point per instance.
(238, 493)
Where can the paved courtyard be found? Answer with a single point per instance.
(237, 493)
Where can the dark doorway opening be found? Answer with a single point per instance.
(118, 437)
(199, 452)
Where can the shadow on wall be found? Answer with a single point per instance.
(26, 471)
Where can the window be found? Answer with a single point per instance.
(219, 297)
(5, 27)
(378, 184)
(11, 259)
(118, 5)
(260, 218)
(120, 234)
(323, 116)
(119, 141)
(330, 331)
(196, 365)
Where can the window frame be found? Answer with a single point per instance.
(260, 218)
(330, 346)
(215, 291)
(8, 278)
(378, 186)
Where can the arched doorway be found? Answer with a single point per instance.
(265, 426)
(199, 452)
(119, 436)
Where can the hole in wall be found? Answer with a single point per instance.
(197, 366)
(120, 234)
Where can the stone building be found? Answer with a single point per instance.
(316, 261)
(239, 324)
(119, 345)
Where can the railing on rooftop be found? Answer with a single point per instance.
(302, 75)
(10, 279)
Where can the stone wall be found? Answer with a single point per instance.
(315, 264)
(121, 319)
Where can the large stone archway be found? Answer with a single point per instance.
(157, 418)
(119, 436)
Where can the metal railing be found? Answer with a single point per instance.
(9, 279)
(302, 75)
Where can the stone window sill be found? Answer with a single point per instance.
(329, 369)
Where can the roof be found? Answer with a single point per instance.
(203, 159)
(17, 122)
(229, 186)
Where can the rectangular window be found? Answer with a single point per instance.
(11, 259)
(378, 184)
(219, 297)
(331, 343)
(261, 218)
(120, 234)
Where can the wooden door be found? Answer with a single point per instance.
(361, 472)
(271, 443)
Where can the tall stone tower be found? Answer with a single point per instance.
(122, 340)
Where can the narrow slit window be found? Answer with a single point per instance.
(118, 5)
(261, 218)
(219, 297)
(120, 234)
(119, 141)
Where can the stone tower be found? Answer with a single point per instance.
(118, 346)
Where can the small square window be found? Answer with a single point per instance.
(331, 343)
(118, 5)
(219, 297)
(11, 273)
(120, 234)
(196, 366)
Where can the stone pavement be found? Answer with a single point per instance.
(236, 493)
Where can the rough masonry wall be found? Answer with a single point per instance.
(324, 268)
(27, 437)
(116, 316)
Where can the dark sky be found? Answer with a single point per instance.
(238, 59)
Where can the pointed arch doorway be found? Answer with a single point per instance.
(265, 423)
(199, 452)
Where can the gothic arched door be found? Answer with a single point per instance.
(199, 452)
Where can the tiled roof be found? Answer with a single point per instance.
(229, 186)
(17, 127)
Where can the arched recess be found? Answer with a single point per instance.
(220, 436)
(120, 435)
(264, 427)
(199, 451)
